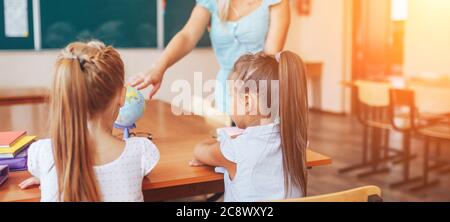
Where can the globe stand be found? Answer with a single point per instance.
(126, 130)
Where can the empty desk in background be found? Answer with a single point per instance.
(23, 95)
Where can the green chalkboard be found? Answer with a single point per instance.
(7, 43)
(121, 23)
(176, 15)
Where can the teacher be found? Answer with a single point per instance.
(236, 27)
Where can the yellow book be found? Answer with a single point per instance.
(11, 152)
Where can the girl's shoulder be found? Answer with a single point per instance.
(146, 152)
(41, 149)
(140, 144)
(42, 144)
(143, 147)
(40, 157)
(252, 142)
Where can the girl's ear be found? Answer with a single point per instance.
(249, 103)
(122, 97)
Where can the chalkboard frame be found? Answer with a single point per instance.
(171, 26)
(112, 25)
(17, 43)
(176, 17)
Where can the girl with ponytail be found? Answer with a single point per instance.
(268, 161)
(83, 161)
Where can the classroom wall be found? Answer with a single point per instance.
(34, 69)
(427, 45)
(318, 37)
(323, 37)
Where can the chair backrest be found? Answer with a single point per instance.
(362, 194)
(374, 94)
(402, 109)
(431, 99)
(373, 103)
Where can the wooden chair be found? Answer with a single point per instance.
(432, 101)
(363, 194)
(373, 113)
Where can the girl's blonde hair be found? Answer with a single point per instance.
(87, 78)
(289, 69)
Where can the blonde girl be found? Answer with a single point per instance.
(83, 161)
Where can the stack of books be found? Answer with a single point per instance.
(14, 149)
(3, 174)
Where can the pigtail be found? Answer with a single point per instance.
(69, 132)
(293, 120)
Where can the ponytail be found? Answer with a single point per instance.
(86, 77)
(72, 153)
(293, 120)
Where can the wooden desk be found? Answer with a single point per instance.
(24, 95)
(174, 136)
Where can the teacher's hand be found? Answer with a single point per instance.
(153, 78)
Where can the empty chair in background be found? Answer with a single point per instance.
(432, 102)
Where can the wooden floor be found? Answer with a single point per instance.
(340, 137)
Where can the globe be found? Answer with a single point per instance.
(132, 110)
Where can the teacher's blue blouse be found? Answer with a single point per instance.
(232, 39)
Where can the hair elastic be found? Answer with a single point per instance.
(278, 57)
(82, 61)
(68, 55)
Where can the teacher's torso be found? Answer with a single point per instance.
(232, 39)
